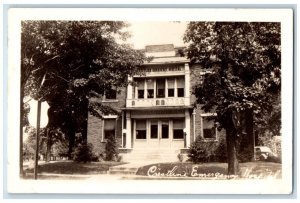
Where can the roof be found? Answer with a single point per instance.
(159, 48)
(164, 60)
(157, 108)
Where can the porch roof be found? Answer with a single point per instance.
(157, 108)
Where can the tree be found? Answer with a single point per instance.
(244, 81)
(64, 62)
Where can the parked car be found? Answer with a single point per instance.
(263, 153)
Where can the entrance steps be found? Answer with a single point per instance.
(124, 170)
(151, 155)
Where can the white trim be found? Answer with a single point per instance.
(202, 128)
(110, 117)
(110, 101)
(208, 114)
(102, 137)
(194, 124)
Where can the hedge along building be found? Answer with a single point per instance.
(158, 117)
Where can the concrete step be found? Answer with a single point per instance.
(153, 155)
(123, 170)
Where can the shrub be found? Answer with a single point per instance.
(202, 151)
(245, 155)
(84, 153)
(111, 149)
(180, 157)
(220, 153)
(198, 151)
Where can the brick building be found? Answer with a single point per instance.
(158, 117)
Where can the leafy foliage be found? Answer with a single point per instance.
(84, 153)
(244, 59)
(63, 62)
(111, 149)
(245, 62)
(202, 151)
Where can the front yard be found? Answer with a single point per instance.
(74, 170)
(249, 170)
(71, 168)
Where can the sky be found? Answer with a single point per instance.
(153, 33)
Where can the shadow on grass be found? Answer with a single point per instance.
(70, 167)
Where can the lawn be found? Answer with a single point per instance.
(249, 170)
(74, 168)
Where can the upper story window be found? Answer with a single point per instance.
(159, 87)
(111, 94)
(171, 87)
(140, 87)
(150, 88)
(180, 87)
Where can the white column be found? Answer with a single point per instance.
(129, 88)
(122, 118)
(128, 130)
(186, 80)
(187, 128)
(194, 124)
(166, 88)
(145, 89)
(175, 88)
(154, 80)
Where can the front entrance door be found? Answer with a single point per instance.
(157, 134)
(164, 141)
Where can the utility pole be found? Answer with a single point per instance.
(37, 139)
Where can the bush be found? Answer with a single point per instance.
(202, 151)
(246, 155)
(111, 149)
(84, 153)
(220, 153)
(180, 157)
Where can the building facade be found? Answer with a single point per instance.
(158, 118)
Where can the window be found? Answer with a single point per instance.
(150, 88)
(171, 85)
(111, 94)
(178, 126)
(140, 86)
(109, 128)
(140, 129)
(154, 129)
(180, 87)
(160, 86)
(209, 128)
(165, 129)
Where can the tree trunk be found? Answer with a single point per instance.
(232, 150)
(21, 130)
(48, 147)
(71, 133)
(250, 132)
(84, 124)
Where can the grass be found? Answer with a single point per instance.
(249, 170)
(73, 168)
